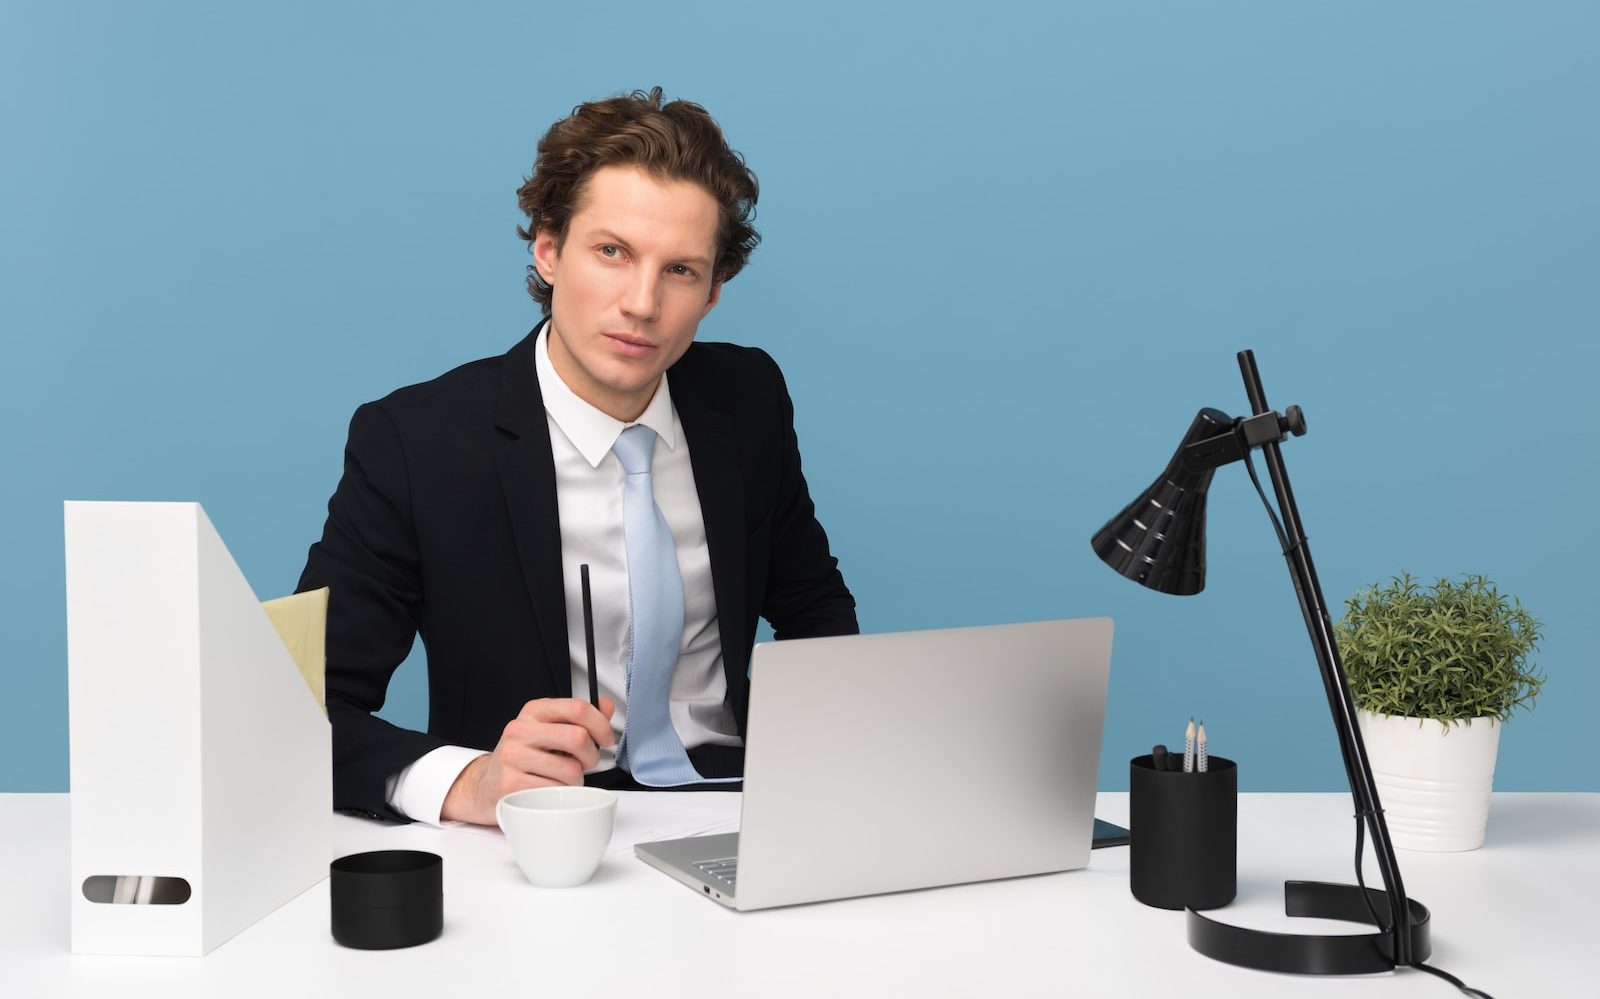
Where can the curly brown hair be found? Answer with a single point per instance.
(673, 141)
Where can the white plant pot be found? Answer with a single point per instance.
(1433, 780)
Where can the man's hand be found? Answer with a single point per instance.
(552, 741)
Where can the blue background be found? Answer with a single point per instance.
(1009, 250)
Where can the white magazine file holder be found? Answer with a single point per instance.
(201, 760)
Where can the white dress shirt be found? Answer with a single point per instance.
(589, 501)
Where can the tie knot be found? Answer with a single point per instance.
(635, 448)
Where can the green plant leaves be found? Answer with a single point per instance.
(1448, 651)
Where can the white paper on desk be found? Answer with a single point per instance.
(646, 816)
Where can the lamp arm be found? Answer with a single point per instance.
(1340, 704)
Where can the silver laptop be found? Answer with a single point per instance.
(881, 763)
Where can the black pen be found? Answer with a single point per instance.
(588, 637)
(1158, 758)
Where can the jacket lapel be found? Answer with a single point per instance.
(713, 451)
(528, 477)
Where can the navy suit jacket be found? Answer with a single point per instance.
(445, 524)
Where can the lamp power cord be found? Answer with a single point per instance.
(1361, 842)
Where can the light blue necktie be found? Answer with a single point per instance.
(650, 747)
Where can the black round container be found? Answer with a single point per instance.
(387, 899)
(1183, 834)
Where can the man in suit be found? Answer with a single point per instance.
(607, 438)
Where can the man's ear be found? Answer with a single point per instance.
(546, 254)
(711, 303)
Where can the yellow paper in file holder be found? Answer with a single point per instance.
(302, 623)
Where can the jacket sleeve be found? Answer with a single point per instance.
(805, 596)
(368, 558)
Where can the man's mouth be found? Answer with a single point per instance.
(629, 345)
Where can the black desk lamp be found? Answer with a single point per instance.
(1159, 542)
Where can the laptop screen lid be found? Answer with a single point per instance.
(880, 763)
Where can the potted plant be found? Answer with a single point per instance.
(1434, 671)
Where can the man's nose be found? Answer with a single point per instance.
(642, 298)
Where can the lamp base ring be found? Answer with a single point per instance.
(1310, 953)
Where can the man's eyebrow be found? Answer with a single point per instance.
(609, 237)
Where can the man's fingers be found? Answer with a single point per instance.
(551, 741)
(560, 737)
(528, 766)
(568, 739)
(556, 710)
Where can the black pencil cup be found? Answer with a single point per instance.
(1183, 842)
(387, 899)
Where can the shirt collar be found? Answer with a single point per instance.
(591, 431)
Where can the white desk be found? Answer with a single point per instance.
(1514, 918)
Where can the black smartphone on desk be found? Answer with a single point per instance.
(1109, 834)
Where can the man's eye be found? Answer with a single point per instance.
(681, 271)
(610, 251)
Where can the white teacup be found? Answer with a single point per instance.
(558, 834)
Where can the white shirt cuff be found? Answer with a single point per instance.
(418, 791)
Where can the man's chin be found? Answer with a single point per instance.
(636, 391)
(628, 379)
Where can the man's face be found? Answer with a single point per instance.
(632, 282)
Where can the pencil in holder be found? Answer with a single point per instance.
(1183, 843)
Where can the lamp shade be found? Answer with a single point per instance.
(1159, 540)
